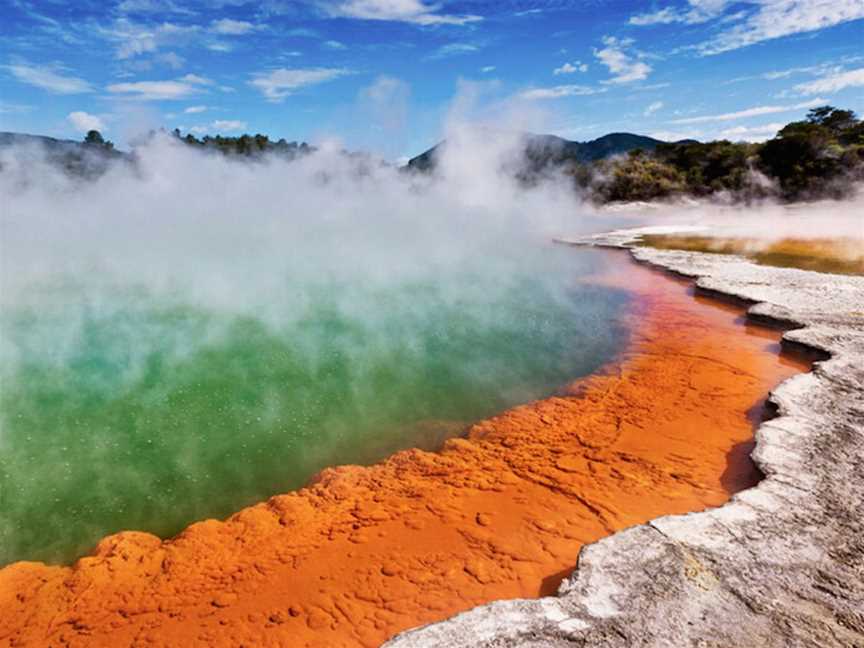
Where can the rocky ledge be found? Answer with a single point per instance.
(781, 564)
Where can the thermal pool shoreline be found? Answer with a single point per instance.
(366, 552)
(781, 564)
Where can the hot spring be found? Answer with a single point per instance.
(190, 335)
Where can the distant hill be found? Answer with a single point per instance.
(77, 158)
(52, 143)
(821, 156)
(615, 144)
(9, 139)
(543, 150)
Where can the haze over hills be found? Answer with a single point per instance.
(88, 159)
(556, 149)
(821, 156)
(90, 156)
(545, 149)
(8, 139)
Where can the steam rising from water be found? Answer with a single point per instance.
(190, 334)
(760, 225)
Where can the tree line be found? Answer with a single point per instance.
(821, 156)
(245, 145)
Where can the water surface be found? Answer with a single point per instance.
(128, 406)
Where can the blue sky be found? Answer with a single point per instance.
(384, 74)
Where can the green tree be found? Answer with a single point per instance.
(94, 137)
(832, 118)
(801, 158)
(639, 177)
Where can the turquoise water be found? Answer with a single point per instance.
(128, 407)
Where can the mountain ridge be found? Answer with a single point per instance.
(544, 149)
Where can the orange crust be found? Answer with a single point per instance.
(363, 553)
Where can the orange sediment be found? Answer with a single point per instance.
(844, 255)
(364, 553)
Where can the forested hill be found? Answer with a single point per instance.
(94, 155)
(544, 150)
(821, 156)
(88, 159)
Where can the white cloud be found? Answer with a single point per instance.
(749, 112)
(758, 133)
(570, 68)
(675, 136)
(762, 20)
(219, 46)
(653, 108)
(777, 18)
(48, 79)
(334, 45)
(154, 90)
(152, 6)
(557, 92)
(809, 69)
(409, 11)
(197, 80)
(833, 82)
(659, 17)
(191, 110)
(220, 125)
(228, 125)
(452, 49)
(171, 59)
(696, 11)
(278, 84)
(653, 86)
(487, 68)
(751, 133)
(133, 39)
(230, 27)
(383, 106)
(83, 122)
(622, 65)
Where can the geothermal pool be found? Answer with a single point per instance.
(134, 405)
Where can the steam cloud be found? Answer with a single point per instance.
(181, 219)
(760, 226)
(190, 333)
